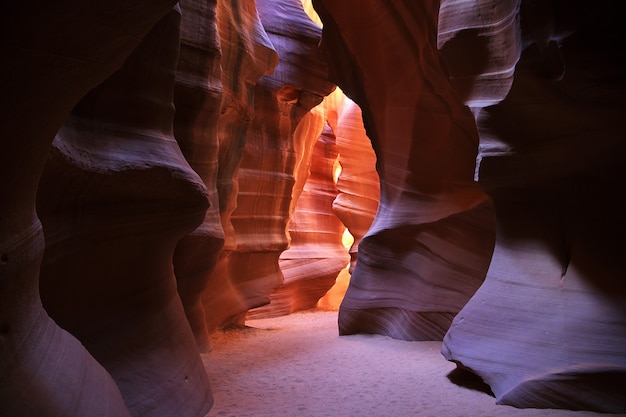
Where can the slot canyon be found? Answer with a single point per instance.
(440, 171)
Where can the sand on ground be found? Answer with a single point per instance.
(298, 366)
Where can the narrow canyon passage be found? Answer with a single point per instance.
(297, 365)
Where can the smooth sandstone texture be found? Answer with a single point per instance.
(429, 246)
(115, 197)
(479, 44)
(52, 54)
(198, 99)
(316, 254)
(266, 172)
(358, 184)
(547, 329)
(247, 54)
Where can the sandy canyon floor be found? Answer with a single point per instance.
(297, 365)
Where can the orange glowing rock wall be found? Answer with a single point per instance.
(358, 184)
(266, 172)
(316, 254)
(247, 55)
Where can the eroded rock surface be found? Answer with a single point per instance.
(429, 246)
(548, 327)
(198, 99)
(266, 172)
(247, 54)
(358, 184)
(115, 197)
(51, 58)
(316, 254)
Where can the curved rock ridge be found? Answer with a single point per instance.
(247, 55)
(198, 98)
(429, 245)
(479, 43)
(547, 329)
(358, 184)
(115, 197)
(55, 57)
(316, 254)
(266, 172)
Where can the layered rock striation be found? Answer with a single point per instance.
(115, 197)
(316, 253)
(358, 184)
(198, 99)
(247, 55)
(53, 54)
(547, 329)
(428, 248)
(266, 170)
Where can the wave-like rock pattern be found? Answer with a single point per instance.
(428, 248)
(547, 329)
(50, 59)
(247, 55)
(198, 98)
(316, 254)
(115, 197)
(358, 184)
(479, 43)
(266, 173)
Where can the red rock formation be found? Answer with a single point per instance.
(358, 183)
(197, 98)
(247, 54)
(116, 195)
(316, 254)
(547, 329)
(266, 173)
(51, 58)
(429, 246)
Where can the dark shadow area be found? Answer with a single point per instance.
(464, 378)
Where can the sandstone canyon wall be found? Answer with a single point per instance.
(316, 253)
(197, 99)
(115, 197)
(268, 160)
(182, 167)
(429, 245)
(548, 323)
(548, 326)
(52, 55)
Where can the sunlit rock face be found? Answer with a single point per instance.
(197, 99)
(548, 326)
(266, 172)
(428, 248)
(316, 254)
(115, 197)
(358, 184)
(247, 54)
(51, 58)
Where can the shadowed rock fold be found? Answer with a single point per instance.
(198, 98)
(547, 329)
(429, 246)
(53, 53)
(266, 172)
(116, 196)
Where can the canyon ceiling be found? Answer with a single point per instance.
(168, 169)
